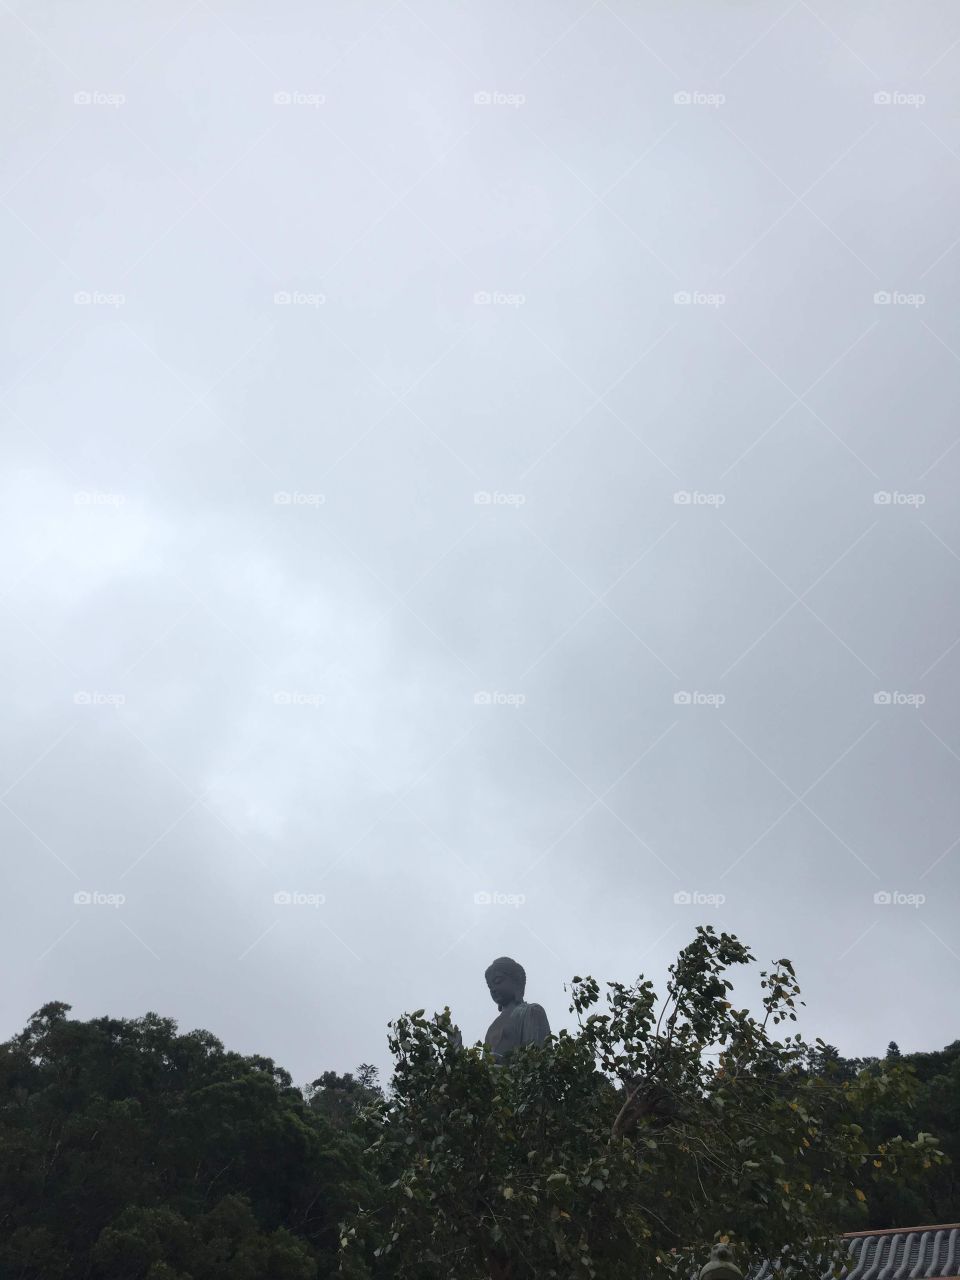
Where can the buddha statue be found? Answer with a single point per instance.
(518, 1023)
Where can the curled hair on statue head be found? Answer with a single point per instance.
(516, 972)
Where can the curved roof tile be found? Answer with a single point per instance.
(918, 1253)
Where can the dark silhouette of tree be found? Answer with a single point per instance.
(128, 1150)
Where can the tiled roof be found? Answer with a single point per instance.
(906, 1253)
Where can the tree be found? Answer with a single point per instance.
(128, 1150)
(628, 1147)
(341, 1098)
(932, 1102)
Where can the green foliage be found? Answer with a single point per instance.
(129, 1151)
(341, 1098)
(226, 1242)
(929, 1102)
(627, 1148)
(623, 1150)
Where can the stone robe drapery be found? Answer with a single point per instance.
(523, 1024)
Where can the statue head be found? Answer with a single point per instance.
(507, 981)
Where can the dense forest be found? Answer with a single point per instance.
(934, 1108)
(129, 1150)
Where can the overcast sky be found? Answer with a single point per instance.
(487, 472)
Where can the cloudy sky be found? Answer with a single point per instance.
(477, 478)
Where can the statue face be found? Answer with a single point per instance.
(503, 987)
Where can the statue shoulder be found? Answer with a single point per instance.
(536, 1022)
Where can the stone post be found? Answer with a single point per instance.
(721, 1265)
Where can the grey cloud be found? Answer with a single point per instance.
(486, 563)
